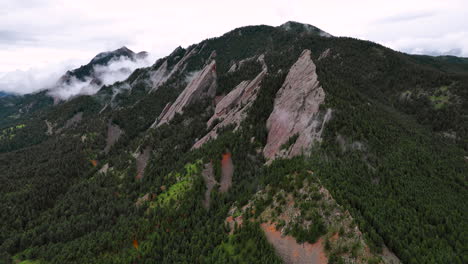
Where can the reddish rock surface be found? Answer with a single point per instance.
(296, 111)
(227, 170)
(292, 252)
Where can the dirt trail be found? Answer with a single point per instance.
(227, 170)
(290, 251)
(208, 176)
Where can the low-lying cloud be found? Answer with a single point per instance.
(73, 88)
(33, 79)
(445, 44)
(47, 78)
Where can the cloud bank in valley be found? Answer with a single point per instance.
(47, 78)
(33, 79)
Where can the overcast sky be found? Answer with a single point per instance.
(39, 35)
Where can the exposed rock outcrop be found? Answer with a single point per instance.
(145, 198)
(236, 66)
(227, 171)
(162, 74)
(141, 162)
(159, 76)
(113, 134)
(203, 85)
(292, 252)
(210, 182)
(50, 128)
(324, 54)
(232, 109)
(75, 119)
(104, 168)
(296, 112)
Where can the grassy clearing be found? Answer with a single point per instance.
(8, 133)
(180, 188)
(441, 97)
(439, 101)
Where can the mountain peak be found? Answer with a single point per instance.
(297, 27)
(123, 49)
(104, 57)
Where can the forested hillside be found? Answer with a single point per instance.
(169, 166)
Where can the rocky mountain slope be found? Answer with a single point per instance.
(264, 145)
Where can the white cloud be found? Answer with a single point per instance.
(443, 44)
(115, 71)
(120, 69)
(73, 88)
(46, 77)
(33, 79)
(34, 33)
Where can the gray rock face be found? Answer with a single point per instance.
(113, 134)
(159, 76)
(70, 123)
(324, 54)
(162, 74)
(203, 85)
(232, 109)
(236, 66)
(50, 128)
(296, 111)
(210, 182)
(141, 162)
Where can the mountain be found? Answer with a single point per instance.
(264, 145)
(300, 28)
(87, 71)
(3, 94)
(15, 108)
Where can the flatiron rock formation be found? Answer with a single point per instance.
(232, 109)
(113, 134)
(296, 112)
(162, 74)
(203, 85)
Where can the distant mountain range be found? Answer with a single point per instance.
(87, 71)
(3, 94)
(13, 108)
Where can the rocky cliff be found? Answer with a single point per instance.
(203, 85)
(160, 75)
(232, 109)
(296, 121)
